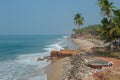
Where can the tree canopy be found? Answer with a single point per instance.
(78, 19)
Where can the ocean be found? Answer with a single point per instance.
(19, 53)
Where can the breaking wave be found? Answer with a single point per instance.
(26, 66)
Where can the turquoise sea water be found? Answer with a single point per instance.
(18, 55)
(12, 46)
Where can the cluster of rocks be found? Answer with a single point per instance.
(76, 68)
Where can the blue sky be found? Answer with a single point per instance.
(39, 17)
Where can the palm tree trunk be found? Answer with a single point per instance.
(119, 41)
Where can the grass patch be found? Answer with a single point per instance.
(108, 53)
(103, 53)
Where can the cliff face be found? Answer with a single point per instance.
(62, 53)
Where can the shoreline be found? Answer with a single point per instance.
(84, 45)
(75, 68)
(55, 69)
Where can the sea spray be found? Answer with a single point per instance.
(18, 55)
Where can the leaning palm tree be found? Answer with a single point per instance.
(78, 19)
(106, 7)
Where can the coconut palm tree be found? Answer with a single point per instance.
(116, 18)
(78, 19)
(110, 30)
(104, 30)
(116, 23)
(106, 7)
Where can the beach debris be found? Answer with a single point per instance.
(62, 53)
(44, 58)
(76, 68)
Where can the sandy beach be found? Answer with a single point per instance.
(54, 70)
(84, 45)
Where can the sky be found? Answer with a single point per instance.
(43, 17)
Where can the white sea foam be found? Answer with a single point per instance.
(39, 77)
(10, 70)
(56, 46)
(53, 47)
(31, 59)
(26, 66)
(65, 37)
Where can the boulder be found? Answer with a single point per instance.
(62, 53)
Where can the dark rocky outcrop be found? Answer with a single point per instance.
(62, 53)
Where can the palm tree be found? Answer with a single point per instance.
(106, 7)
(78, 19)
(116, 23)
(116, 18)
(104, 30)
(110, 30)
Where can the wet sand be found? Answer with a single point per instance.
(54, 70)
